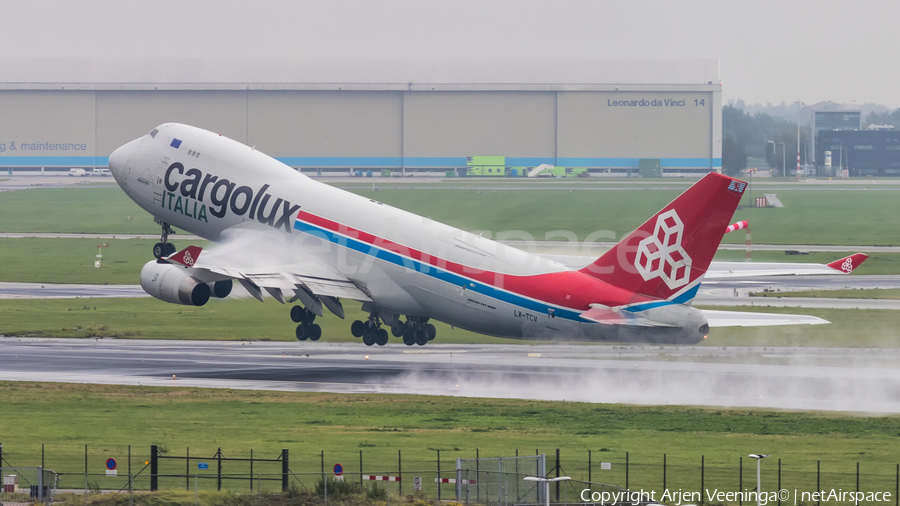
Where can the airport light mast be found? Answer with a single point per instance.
(758, 457)
(799, 104)
(546, 482)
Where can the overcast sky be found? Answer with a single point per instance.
(770, 51)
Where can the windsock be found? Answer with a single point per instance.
(737, 226)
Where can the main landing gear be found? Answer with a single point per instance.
(415, 330)
(370, 331)
(307, 329)
(164, 248)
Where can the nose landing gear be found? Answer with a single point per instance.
(164, 248)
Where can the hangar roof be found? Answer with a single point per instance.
(280, 74)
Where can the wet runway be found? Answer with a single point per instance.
(859, 380)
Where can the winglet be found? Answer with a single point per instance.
(186, 257)
(847, 264)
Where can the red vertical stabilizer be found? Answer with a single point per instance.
(671, 250)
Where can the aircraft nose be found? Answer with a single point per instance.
(118, 159)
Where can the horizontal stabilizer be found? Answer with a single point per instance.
(726, 270)
(847, 264)
(610, 316)
(186, 257)
(745, 319)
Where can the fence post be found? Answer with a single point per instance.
(896, 489)
(400, 473)
(154, 468)
(741, 481)
(439, 471)
(458, 486)
(626, 470)
(818, 475)
(251, 469)
(557, 474)
(360, 469)
(779, 481)
(85, 467)
(219, 473)
(42, 456)
(285, 470)
(857, 481)
(664, 471)
(703, 476)
(589, 466)
(187, 468)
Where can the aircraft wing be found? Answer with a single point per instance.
(743, 319)
(263, 262)
(731, 270)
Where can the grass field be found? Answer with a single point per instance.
(810, 217)
(343, 425)
(73, 210)
(248, 319)
(40, 260)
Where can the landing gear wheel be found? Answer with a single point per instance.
(357, 328)
(381, 337)
(369, 337)
(409, 337)
(421, 337)
(302, 333)
(170, 248)
(300, 314)
(399, 329)
(314, 331)
(159, 250)
(430, 330)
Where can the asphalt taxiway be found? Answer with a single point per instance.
(834, 379)
(67, 291)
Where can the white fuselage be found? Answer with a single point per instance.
(409, 265)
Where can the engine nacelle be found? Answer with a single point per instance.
(172, 283)
(220, 289)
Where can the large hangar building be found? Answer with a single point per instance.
(606, 116)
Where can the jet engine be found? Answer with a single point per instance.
(172, 283)
(220, 289)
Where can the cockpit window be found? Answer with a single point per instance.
(153, 133)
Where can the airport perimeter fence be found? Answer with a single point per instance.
(433, 474)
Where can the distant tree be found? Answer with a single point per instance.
(884, 118)
(734, 156)
(753, 131)
(777, 159)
